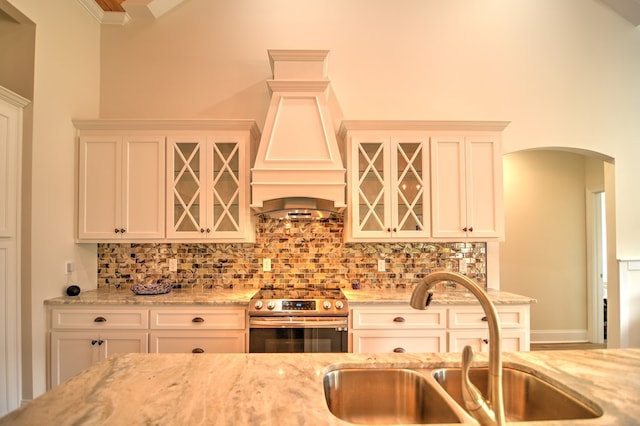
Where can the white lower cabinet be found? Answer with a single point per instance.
(83, 336)
(74, 351)
(399, 341)
(384, 329)
(197, 342)
(198, 330)
(468, 325)
(398, 329)
(512, 340)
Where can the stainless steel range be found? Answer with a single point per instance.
(310, 319)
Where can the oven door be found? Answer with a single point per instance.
(298, 334)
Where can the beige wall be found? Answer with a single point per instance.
(65, 86)
(564, 73)
(544, 255)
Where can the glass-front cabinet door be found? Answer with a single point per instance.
(207, 188)
(389, 187)
(371, 209)
(410, 161)
(186, 188)
(224, 192)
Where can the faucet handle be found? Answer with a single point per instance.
(473, 400)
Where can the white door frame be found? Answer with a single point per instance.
(11, 112)
(595, 291)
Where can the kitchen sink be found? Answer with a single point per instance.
(386, 396)
(527, 397)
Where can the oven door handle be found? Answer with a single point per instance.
(297, 322)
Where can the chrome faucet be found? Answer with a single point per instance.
(488, 412)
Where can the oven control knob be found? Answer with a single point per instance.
(339, 304)
(258, 304)
(271, 305)
(326, 304)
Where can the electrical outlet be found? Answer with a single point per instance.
(266, 265)
(173, 265)
(69, 267)
(381, 265)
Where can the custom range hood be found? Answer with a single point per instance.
(298, 172)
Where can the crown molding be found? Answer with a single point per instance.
(13, 98)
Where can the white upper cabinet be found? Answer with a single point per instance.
(388, 186)
(154, 180)
(423, 180)
(466, 186)
(208, 187)
(121, 187)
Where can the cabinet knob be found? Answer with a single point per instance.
(197, 351)
(465, 229)
(399, 350)
(99, 319)
(202, 230)
(198, 319)
(388, 229)
(100, 342)
(93, 342)
(122, 230)
(398, 319)
(116, 230)
(471, 229)
(486, 341)
(395, 229)
(208, 230)
(485, 319)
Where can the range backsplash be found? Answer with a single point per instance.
(301, 253)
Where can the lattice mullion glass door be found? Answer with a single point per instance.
(186, 196)
(224, 188)
(410, 187)
(372, 210)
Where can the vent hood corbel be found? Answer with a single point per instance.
(298, 160)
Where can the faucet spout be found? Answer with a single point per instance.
(491, 411)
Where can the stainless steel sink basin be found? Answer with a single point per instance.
(526, 397)
(385, 396)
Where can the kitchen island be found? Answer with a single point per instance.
(287, 389)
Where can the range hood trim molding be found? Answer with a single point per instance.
(299, 153)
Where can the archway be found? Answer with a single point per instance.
(548, 252)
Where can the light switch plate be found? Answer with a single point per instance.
(381, 265)
(173, 265)
(266, 265)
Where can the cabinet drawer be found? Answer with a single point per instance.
(398, 319)
(409, 341)
(99, 318)
(198, 342)
(474, 317)
(512, 340)
(201, 319)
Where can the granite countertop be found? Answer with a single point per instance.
(242, 296)
(287, 389)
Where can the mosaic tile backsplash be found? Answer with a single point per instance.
(301, 253)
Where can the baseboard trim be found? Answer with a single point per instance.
(558, 336)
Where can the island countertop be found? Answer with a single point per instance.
(241, 297)
(287, 389)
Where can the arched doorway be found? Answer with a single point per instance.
(549, 252)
